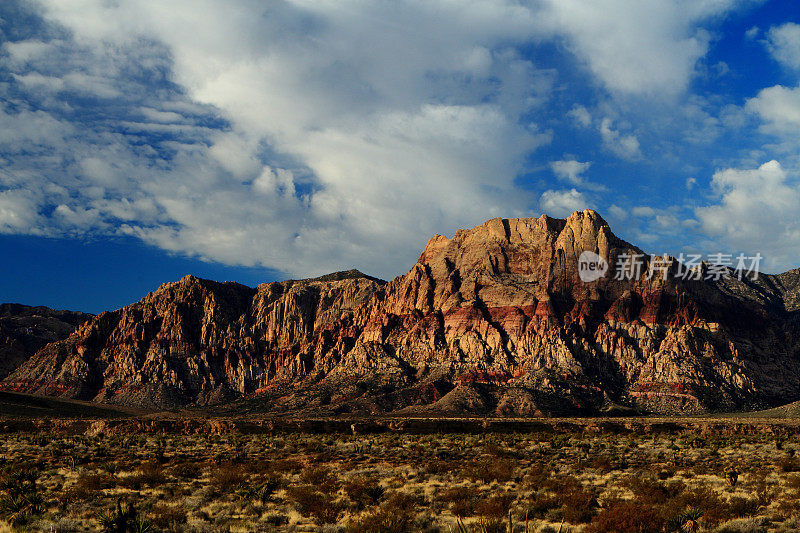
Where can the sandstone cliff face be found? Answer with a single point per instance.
(197, 341)
(495, 320)
(24, 330)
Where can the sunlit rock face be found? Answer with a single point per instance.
(495, 320)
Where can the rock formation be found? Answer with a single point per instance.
(495, 320)
(24, 330)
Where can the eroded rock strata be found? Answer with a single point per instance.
(492, 321)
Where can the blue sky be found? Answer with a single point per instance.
(254, 141)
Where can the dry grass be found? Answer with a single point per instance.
(568, 481)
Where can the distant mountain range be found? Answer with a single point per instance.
(495, 321)
(24, 330)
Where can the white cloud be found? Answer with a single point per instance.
(562, 203)
(617, 213)
(778, 107)
(643, 211)
(32, 130)
(624, 146)
(667, 221)
(570, 170)
(752, 33)
(756, 212)
(580, 115)
(636, 46)
(783, 43)
(18, 212)
(311, 136)
(352, 131)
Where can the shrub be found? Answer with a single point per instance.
(20, 509)
(740, 507)
(537, 475)
(578, 505)
(495, 506)
(168, 516)
(20, 501)
(439, 466)
(732, 475)
(263, 491)
(395, 515)
(276, 519)
(789, 464)
(705, 500)
(149, 475)
(95, 482)
(286, 465)
(187, 471)
(541, 504)
(462, 500)
(650, 491)
(18, 481)
(315, 504)
(322, 477)
(227, 477)
(364, 491)
(123, 519)
(626, 517)
(602, 463)
(490, 469)
(690, 521)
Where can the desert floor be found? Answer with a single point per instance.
(92, 477)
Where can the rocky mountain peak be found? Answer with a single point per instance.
(497, 314)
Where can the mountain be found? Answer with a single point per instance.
(495, 320)
(24, 330)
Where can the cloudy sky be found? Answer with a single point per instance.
(259, 140)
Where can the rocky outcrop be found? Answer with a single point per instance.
(197, 342)
(24, 330)
(495, 320)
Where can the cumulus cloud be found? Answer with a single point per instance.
(570, 170)
(756, 212)
(580, 115)
(322, 134)
(311, 136)
(783, 43)
(561, 203)
(778, 107)
(636, 46)
(624, 146)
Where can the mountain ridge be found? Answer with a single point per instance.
(495, 320)
(25, 329)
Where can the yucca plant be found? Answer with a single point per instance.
(261, 493)
(123, 519)
(690, 520)
(21, 508)
(20, 500)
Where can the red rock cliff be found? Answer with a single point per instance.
(493, 320)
